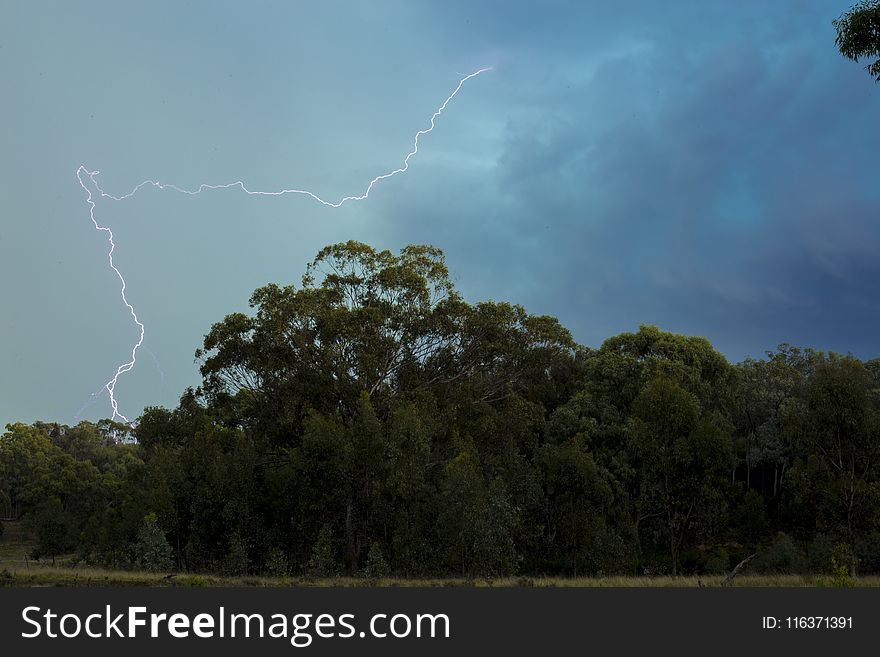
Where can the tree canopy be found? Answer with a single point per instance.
(858, 34)
(367, 321)
(372, 422)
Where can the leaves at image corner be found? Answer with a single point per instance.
(371, 422)
(858, 34)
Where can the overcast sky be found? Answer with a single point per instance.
(709, 167)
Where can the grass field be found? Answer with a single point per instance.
(16, 569)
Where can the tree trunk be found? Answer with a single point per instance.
(349, 535)
(673, 548)
(749, 461)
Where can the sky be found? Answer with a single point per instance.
(708, 167)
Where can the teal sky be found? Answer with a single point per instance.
(706, 166)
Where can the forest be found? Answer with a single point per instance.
(372, 422)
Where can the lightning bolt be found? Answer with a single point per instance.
(82, 173)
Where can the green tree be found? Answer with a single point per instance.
(323, 562)
(412, 431)
(151, 550)
(768, 394)
(346, 381)
(360, 321)
(53, 529)
(24, 455)
(476, 521)
(681, 457)
(370, 321)
(839, 427)
(858, 34)
(376, 564)
(579, 498)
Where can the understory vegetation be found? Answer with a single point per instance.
(370, 423)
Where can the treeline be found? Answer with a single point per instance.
(371, 422)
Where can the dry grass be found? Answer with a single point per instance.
(43, 575)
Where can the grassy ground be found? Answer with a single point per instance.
(73, 577)
(18, 570)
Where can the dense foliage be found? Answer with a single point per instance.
(858, 34)
(372, 422)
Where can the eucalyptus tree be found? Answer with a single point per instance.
(858, 34)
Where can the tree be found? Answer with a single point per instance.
(323, 561)
(370, 321)
(625, 363)
(477, 520)
(840, 430)
(412, 430)
(681, 457)
(151, 551)
(376, 564)
(579, 499)
(768, 393)
(858, 34)
(52, 526)
(373, 422)
(24, 453)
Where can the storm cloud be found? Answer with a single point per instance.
(707, 167)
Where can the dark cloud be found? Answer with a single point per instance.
(710, 167)
(714, 181)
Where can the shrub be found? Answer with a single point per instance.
(782, 557)
(323, 562)
(842, 563)
(718, 562)
(236, 562)
(376, 565)
(276, 563)
(151, 550)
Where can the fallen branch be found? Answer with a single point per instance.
(733, 573)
